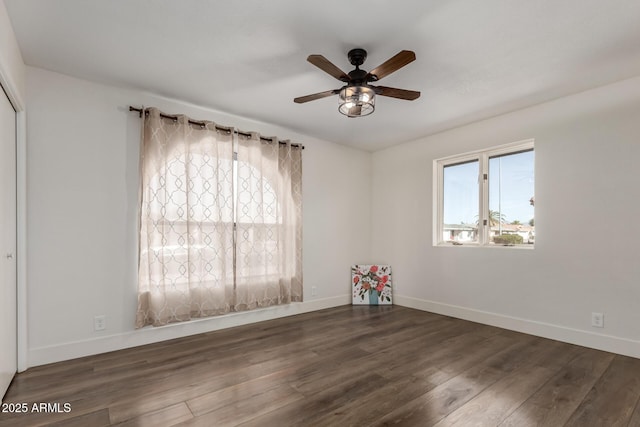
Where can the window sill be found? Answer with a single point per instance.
(477, 245)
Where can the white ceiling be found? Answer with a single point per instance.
(475, 59)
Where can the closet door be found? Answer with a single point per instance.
(8, 299)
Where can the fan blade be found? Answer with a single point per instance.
(391, 65)
(313, 97)
(327, 66)
(355, 111)
(393, 92)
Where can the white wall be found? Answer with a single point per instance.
(587, 215)
(12, 79)
(82, 194)
(12, 70)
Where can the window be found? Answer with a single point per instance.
(204, 220)
(486, 198)
(220, 221)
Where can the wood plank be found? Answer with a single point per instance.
(635, 417)
(612, 399)
(222, 408)
(263, 390)
(167, 417)
(454, 356)
(497, 401)
(554, 403)
(436, 404)
(98, 418)
(409, 385)
(218, 378)
(308, 411)
(525, 376)
(313, 378)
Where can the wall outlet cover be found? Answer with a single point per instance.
(597, 320)
(100, 323)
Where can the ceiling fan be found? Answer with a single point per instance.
(357, 97)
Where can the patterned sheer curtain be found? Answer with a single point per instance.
(186, 221)
(269, 222)
(219, 231)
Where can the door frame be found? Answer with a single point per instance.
(13, 94)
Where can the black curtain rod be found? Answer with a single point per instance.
(167, 116)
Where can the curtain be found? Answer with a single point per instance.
(219, 231)
(186, 221)
(269, 222)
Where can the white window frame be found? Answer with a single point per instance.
(482, 156)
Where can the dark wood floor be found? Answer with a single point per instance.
(356, 366)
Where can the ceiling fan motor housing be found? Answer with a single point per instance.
(357, 56)
(357, 77)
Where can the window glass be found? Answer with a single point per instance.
(510, 214)
(460, 204)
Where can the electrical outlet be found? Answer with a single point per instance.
(100, 323)
(314, 291)
(597, 320)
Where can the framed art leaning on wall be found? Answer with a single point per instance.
(371, 284)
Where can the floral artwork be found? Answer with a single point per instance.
(371, 284)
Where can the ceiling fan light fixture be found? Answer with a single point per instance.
(356, 101)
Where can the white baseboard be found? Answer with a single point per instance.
(583, 338)
(71, 350)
